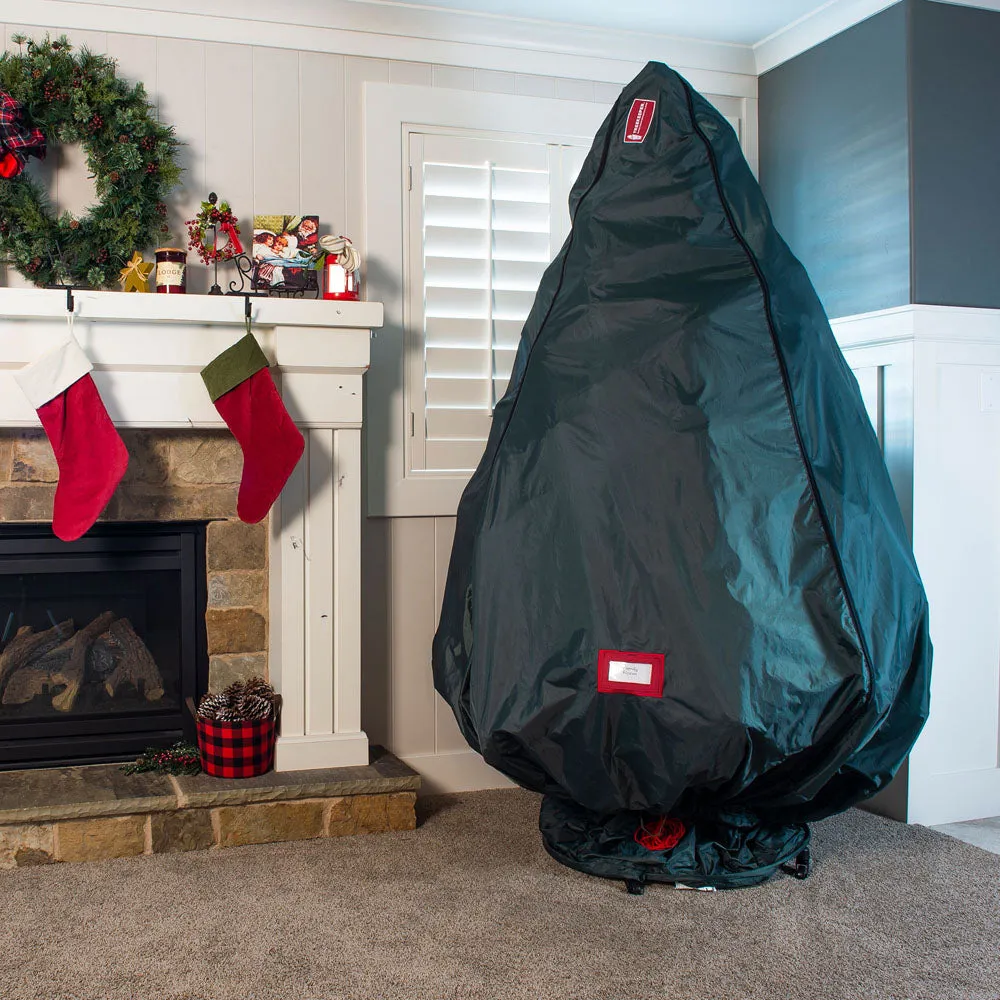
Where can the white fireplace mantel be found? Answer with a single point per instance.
(148, 352)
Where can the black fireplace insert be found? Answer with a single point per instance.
(102, 640)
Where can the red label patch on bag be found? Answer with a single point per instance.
(640, 117)
(619, 672)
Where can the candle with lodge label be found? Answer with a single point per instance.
(171, 270)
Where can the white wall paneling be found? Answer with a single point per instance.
(135, 55)
(229, 130)
(936, 373)
(322, 138)
(276, 130)
(413, 623)
(422, 727)
(448, 737)
(180, 96)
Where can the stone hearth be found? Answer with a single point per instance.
(173, 475)
(96, 812)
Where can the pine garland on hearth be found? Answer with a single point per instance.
(79, 98)
(181, 758)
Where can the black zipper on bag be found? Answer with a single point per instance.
(866, 661)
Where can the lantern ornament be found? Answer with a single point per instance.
(341, 268)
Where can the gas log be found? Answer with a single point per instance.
(134, 663)
(107, 651)
(28, 645)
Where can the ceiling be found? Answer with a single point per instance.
(742, 22)
(739, 22)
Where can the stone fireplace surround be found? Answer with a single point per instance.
(172, 476)
(284, 595)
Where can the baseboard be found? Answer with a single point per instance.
(938, 799)
(462, 771)
(305, 753)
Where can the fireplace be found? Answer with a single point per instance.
(102, 640)
(283, 595)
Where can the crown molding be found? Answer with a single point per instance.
(826, 21)
(407, 32)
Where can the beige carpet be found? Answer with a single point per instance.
(470, 906)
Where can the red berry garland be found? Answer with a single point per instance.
(220, 215)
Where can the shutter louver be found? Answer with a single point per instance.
(485, 224)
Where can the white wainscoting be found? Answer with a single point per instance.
(933, 380)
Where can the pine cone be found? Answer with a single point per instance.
(234, 692)
(211, 705)
(228, 714)
(254, 707)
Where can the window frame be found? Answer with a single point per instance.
(392, 111)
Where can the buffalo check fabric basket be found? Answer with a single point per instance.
(236, 749)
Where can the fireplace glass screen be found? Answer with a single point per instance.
(101, 641)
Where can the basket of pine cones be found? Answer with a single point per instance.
(237, 728)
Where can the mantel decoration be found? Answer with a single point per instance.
(285, 255)
(134, 276)
(288, 255)
(215, 215)
(341, 267)
(48, 94)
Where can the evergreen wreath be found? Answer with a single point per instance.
(79, 98)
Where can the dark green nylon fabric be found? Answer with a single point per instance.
(233, 366)
(683, 465)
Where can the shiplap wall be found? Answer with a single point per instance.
(270, 130)
(279, 130)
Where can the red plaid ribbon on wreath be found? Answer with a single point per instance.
(236, 749)
(17, 142)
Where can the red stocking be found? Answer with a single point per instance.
(91, 456)
(244, 394)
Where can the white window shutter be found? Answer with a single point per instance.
(486, 217)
